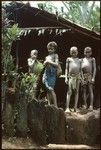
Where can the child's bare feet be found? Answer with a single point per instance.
(90, 108)
(67, 110)
(84, 107)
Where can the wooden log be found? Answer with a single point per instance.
(21, 120)
(9, 113)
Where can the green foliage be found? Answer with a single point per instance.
(7, 63)
(7, 38)
(13, 33)
(47, 6)
(38, 68)
(94, 19)
(85, 13)
(27, 81)
(9, 35)
(26, 84)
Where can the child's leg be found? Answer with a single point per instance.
(91, 96)
(53, 97)
(84, 96)
(48, 98)
(69, 93)
(76, 96)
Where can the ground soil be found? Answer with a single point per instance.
(26, 143)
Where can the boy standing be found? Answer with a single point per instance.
(88, 74)
(72, 77)
(50, 73)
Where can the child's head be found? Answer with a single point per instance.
(52, 46)
(74, 51)
(34, 54)
(88, 51)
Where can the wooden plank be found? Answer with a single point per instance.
(33, 28)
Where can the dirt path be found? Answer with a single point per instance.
(22, 143)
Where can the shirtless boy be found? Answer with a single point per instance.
(72, 77)
(88, 73)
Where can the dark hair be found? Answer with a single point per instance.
(52, 44)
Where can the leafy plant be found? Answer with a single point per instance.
(26, 85)
(38, 68)
(13, 33)
(27, 82)
(9, 34)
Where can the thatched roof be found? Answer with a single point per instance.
(28, 18)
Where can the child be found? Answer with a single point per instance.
(32, 61)
(35, 69)
(72, 76)
(50, 73)
(88, 74)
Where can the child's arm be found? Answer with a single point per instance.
(45, 62)
(94, 69)
(66, 70)
(30, 62)
(81, 72)
(56, 58)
